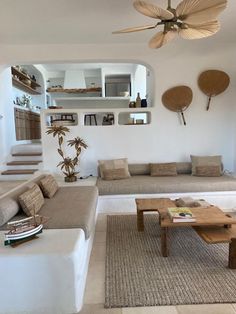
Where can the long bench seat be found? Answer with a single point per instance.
(140, 182)
(182, 183)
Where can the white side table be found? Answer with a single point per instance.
(43, 275)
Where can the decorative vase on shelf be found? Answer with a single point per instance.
(138, 100)
(144, 103)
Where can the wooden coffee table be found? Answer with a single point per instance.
(150, 205)
(212, 224)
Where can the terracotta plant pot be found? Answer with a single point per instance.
(70, 179)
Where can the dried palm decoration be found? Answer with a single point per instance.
(67, 164)
(192, 19)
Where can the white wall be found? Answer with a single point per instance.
(166, 139)
(7, 123)
(140, 77)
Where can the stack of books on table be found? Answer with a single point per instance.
(181, 214)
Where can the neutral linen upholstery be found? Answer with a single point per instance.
(49, 186)
(32, 200)
(72, 207)
(205, 161)
(144, 169)
(115, 174)
(184, 167)
(208, 171)
(8, 209)
(180, 183)
(139, 169)
(163, 169)
(106, 165)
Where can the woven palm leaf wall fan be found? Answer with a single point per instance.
(192, 19)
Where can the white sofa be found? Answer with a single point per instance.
(48, 275)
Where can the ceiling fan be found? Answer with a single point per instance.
(192, 19)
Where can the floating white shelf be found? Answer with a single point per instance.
(91, 98)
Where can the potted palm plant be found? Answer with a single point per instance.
(68, 164)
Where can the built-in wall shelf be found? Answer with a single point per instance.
(91, 98)
(122, 117)
(18, 80)
(74, 90)
(25, 88)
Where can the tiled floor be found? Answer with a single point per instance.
(94, 293)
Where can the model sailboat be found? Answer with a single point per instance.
(24, 229)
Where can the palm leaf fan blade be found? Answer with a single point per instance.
(161, 39)
(200, 11)
(152, 10)
(200, 31)
(134, 29)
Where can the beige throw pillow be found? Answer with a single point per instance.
(8, 209)
(49, 186)
(32, 200)
(116, 164)
(163, 169)
(205, 161)
(208, 171)
(114, 174)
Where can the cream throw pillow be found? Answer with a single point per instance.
(163, 169)
(49, 186)
(205, 161)
(110, 165)
(32, 200)
(8, 209)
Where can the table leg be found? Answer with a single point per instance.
(164, 241)
(140, 222)
(232, 254)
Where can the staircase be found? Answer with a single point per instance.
(25, 160)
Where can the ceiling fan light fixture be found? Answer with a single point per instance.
(192, 19)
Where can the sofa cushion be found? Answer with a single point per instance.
(205, 161)
(32, 200)
(106, 165)
(176, 184)
(49, 186)
(163, 169)
(8, 209)
(72, 207)
(208, 171)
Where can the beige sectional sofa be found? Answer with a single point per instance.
(58, 261)
(140, 182)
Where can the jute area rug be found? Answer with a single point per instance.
(137, 274)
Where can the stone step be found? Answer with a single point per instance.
(17, 171)
(23, 162)
(26, 154)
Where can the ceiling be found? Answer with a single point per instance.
(86, 22)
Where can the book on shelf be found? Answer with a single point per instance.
(181, 214)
